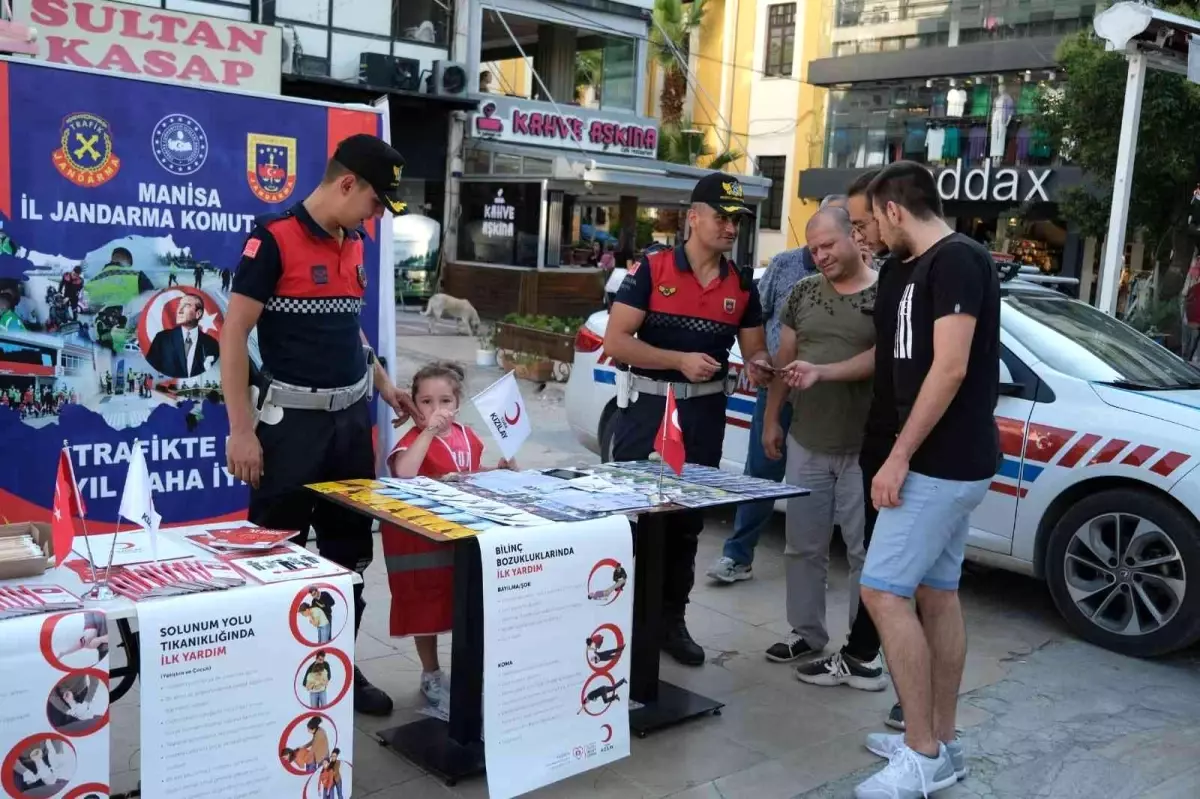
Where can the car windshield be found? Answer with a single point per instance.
(1079, 340)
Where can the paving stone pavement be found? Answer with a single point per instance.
(1044, 714)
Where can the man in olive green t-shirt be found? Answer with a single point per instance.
(825, 320)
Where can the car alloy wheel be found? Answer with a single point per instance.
(1125, 574)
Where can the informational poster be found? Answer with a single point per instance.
(122, 222)
(249, 694)
(557, 617)
(54, 730)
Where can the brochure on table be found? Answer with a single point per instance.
(558, 614)
(251, 695)
(54, 730)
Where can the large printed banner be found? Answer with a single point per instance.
(124, 208)
(249, 694)
(54, 730)
(557, 621)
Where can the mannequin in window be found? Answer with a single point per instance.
(1002, 114)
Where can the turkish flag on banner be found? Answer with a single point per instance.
(67, 505)
(669, 441)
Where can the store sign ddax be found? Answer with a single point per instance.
(513, 119)
(985, 184)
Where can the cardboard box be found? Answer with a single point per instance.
(28, 567)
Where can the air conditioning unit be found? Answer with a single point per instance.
(449, 78)
(389, 71)
(313, 65)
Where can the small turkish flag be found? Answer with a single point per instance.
(67, 505)
(669, 441)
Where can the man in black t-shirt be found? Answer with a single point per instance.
(945, 379)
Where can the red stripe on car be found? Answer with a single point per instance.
(1169, 463)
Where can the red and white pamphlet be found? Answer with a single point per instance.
(240, 539)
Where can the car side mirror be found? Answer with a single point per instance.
(1012, 389)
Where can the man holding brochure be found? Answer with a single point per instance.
(672, 324)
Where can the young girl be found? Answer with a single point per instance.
(421, 572)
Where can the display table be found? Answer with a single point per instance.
(454, 750)
(124, 611)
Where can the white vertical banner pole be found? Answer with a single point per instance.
(1118, 219)
(387, 309)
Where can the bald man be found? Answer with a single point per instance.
(783, 273)
(825, 320)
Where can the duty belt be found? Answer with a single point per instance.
(300, 398)
(658, 388)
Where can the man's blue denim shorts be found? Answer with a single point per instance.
(922, 541)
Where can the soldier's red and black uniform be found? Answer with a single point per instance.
(683, 316)
(311, 288)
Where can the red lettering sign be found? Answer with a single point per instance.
(156, 43)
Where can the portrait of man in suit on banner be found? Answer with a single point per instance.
(184, 350)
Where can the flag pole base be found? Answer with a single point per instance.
(100, 593)
(660, 498)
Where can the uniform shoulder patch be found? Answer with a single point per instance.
(251, 248)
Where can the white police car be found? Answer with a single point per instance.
(1098, 494)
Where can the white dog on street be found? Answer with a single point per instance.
(442, 305)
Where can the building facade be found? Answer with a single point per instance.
(747, 93)
(560, 160)
(955, 84)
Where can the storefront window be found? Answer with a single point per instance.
(941, 120)
(888, 26)
(619, 85)
(500, 223)
(424, 21)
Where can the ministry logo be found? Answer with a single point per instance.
(180, 144)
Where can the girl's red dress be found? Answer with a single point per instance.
(420, 571)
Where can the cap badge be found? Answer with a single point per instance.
(732, 189)
(396, 176)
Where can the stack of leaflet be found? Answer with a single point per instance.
(172, 578)
(139, 581)
(452, 504)
(27, 600)
(240, 539)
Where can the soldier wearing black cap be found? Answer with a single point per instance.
(307, 419)
(673, 321)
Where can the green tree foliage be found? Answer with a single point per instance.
(1167, 167)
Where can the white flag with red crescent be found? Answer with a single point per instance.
(503, 411)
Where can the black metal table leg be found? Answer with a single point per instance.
(126, 675)
(663, 704)
(454, 750)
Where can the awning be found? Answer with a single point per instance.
(601, 178)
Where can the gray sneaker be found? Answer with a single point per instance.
(727, 570)
(908, 775)
(887, 744)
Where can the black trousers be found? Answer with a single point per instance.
(314, 447)
(863, 641)
(703, 423)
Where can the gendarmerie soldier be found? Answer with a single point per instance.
(673, 322)
(301, 281)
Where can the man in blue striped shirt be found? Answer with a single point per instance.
(784, 271)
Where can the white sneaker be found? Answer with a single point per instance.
(435, 686)
(887, 744)
(909, 775)
(840, 669)
(727, 570)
